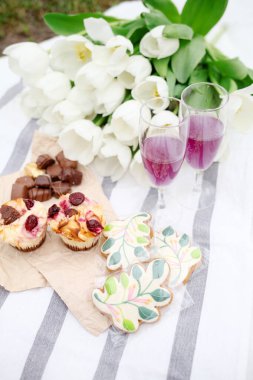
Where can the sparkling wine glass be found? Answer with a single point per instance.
(207, 107)
(162, 139)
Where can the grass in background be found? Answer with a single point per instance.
(22, 20)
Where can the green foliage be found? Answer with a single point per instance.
(154, 18)
(202, 15)
(65, 25)
(186, 59)
(167, 7)
(180, 31)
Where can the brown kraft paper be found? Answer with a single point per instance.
(71, 274)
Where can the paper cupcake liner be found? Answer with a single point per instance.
(80, 245)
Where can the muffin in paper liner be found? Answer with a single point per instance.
(78, 221)
(23, 224)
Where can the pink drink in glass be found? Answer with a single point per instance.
(205, 136)
(162, 157)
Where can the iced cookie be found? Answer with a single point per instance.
(134, 298)
(127, 241)
(182, 257)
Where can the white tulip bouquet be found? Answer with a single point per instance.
(89, 87)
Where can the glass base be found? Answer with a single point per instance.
(193, 190)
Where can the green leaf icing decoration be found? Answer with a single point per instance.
(128, 325)
(127, 241)
(168, 231)
(160, 295)
(111, 285)
(196, 254)
(108, 227)
(124, 279)
(114, 258)
(158, 267)
(144, 228)
(108, 244)
(140, 252)
(134, 297)
(180, 254)
(147, 314)
(184, 240)
(136, 272)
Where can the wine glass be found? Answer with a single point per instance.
(207, 107)
(163, 139)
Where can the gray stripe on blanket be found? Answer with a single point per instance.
(21, 148)
(185, 339)
(10, 94)
(14, 163)
(116, 340)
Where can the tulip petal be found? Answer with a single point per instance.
(98, 29)
(120, 41)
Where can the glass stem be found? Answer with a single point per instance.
(198, 181)
(161, 200)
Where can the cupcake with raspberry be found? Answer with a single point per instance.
(78, 220)
(23, 224)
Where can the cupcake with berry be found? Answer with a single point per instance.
(23, 224)
(78, 220)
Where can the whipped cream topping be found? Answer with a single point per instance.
(78, 226)
(16, 232)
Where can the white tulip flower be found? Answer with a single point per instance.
(165, 118)
(152, 87)
(109, 98)
(28, 60)
(113, 159)
(50, 128)
(98, 29)
(81, 141)
(125, 122)
(63, 112)
(33, 102)
(54, 85)
(83, 99)
(138, 171)
(241, 109)
(155, 45)
(69, 54)
(92, 76)
(113, 59)
(240, 118)
(138, 68)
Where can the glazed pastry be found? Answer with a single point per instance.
(23, 224)
(182, 257)
(135, 298)
(78, 220)
(127, 241)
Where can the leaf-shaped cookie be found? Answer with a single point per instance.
(182, 257)
(135, 297)
(127, 241)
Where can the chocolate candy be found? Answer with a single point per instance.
(72, 176)
(59, 188)
(39, 194)
(64, 162)
(44, 160)
(19, 191)
(9, 214)
(43, 181)
(55, 172)
(26, 180)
